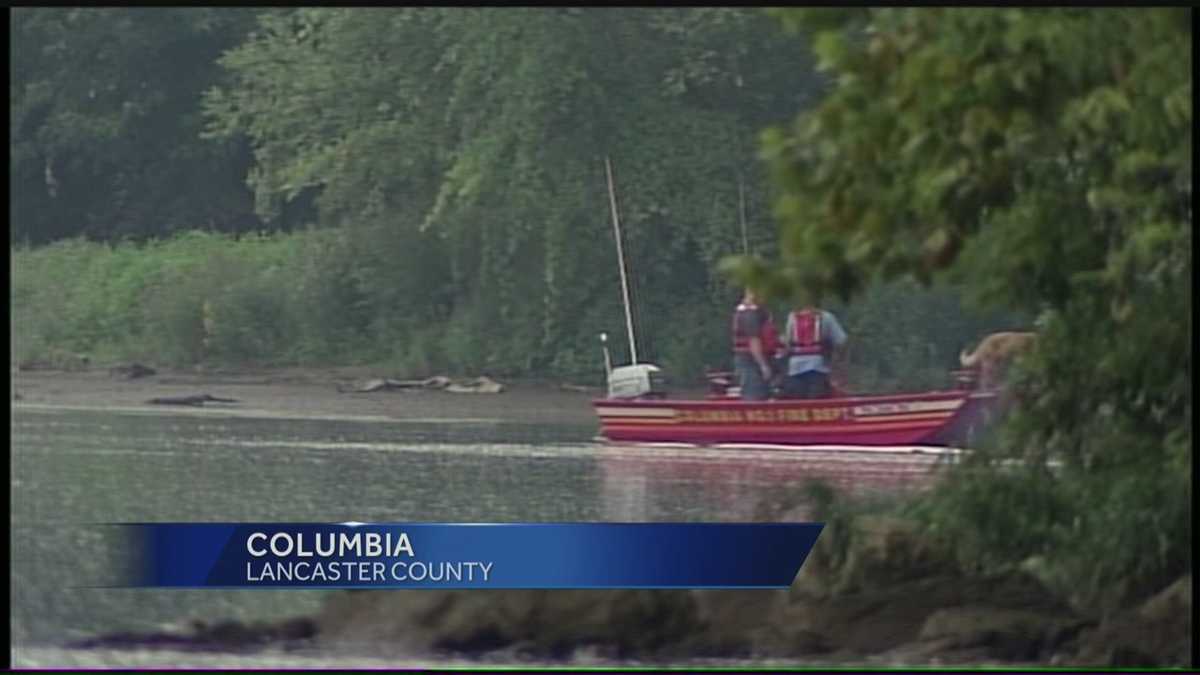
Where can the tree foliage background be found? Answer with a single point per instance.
(450, 166)
(105, 119)
(468, 146)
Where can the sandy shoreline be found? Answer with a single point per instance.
(303, 393)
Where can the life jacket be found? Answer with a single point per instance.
(771, 343)
(806, 334)
(767, 333)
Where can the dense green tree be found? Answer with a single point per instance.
(105, 123)
(1043, 158)
(480, 136)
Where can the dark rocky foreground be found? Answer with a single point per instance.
(892, 600)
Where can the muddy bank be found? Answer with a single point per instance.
(946, 620)
(307, 392)
(224, 636)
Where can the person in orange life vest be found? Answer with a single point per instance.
(755, 341)
(810, 337)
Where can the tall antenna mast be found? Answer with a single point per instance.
(612, 199)
(742, 213)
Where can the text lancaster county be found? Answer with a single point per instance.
(328, 547)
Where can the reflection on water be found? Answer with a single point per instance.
(745, 485)
(72, 468)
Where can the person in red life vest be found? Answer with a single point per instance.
(755, 341)
(810, 337)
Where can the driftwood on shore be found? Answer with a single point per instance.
(193, 399)
(478, 385)
(131, 371)
(224, 636)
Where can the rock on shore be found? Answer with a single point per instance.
(894, 596)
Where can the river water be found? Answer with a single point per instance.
(73, 469)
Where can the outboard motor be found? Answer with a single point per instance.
(639, 380)
(642, 380)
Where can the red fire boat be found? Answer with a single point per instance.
(935, 418)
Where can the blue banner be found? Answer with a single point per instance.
(474, 555)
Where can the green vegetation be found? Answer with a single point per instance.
(1041, 158)
(311, 298)
(451, 164)
(125, 301)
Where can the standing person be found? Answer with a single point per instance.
(754, 343)
(811, 336)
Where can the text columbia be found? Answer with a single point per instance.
(328, 547)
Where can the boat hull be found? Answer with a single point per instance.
(946, 419)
